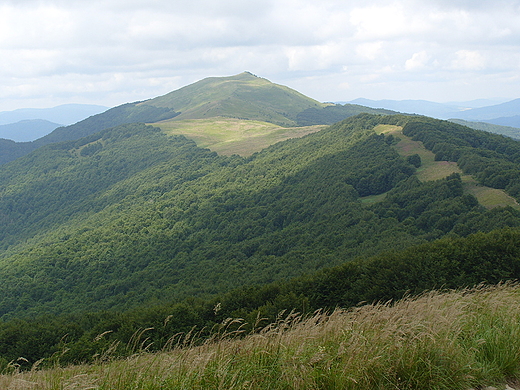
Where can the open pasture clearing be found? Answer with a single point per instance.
(435, 170)
(228, 136)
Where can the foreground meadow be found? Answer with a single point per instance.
(451, 340)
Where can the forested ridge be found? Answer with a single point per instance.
(99, 228)
(492, 159)
(243, 96)
(451, 262)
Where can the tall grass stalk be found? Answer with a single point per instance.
(453, 340)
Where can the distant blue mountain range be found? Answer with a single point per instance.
(495, 112)
(27, 130)
(28, 124)
(65, 114)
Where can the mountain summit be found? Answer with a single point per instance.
(244, 95)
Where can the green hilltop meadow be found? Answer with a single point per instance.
(236, 198)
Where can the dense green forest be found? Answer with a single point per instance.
(128, 228)
(451, 262)
(129, 215)
(492, 159)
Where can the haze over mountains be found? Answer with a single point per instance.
(29, 124)
(238, 192)
(27, 130)
(65, 114)
(503, 113)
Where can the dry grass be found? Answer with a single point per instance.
(229, 136)
(454, 340)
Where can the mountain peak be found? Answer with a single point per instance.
(244, 95)
(248, 73)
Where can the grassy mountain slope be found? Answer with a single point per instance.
(243, 96)
(114, 225)
(228, 136)
(454, 340)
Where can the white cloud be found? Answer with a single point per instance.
(310, 58)
(369, 50)
(34, 28)
(418, 61)
(65, 51)
(469, 60)
(374, 22)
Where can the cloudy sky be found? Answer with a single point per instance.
(111, 52)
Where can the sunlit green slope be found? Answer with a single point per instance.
(243, 96)
(130, 215)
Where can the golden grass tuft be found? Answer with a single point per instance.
(451, 340)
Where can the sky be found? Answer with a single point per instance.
(110, 52)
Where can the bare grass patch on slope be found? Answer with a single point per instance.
(228, 136)
(429, 169)
(435, 170)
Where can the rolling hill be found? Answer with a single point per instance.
(66, 114)
(243, 96)
(103, 223)
(27, 130)
(118, 226)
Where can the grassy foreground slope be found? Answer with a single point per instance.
(455, 340)
(445, 263)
